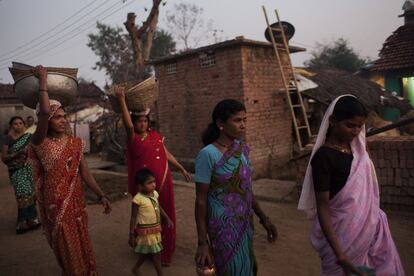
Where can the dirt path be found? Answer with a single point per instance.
(29, 254)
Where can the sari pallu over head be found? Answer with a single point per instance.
(360, 225)
(230, 226)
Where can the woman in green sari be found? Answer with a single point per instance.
(14, 155)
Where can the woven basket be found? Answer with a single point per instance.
(18, 74)
(138, 97)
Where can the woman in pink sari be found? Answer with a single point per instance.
(340, 192)
(146, 149)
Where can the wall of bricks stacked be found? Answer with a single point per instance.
(394, 163)
(269, 121)
(246, 73)
(393, 158)
(187, 98)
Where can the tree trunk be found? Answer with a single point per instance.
(142, 49)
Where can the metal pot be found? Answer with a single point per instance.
(61, 87)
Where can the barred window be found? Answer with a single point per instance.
(207, 59)
(172, 68)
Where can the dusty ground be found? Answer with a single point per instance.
(29, 254)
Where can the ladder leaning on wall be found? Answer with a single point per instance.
(293, 95)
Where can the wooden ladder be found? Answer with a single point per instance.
(294, 96)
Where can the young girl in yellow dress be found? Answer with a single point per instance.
(145, 224)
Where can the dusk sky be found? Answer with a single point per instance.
(54, 33)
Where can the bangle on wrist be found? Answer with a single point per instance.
(44, 90)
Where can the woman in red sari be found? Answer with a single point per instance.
(146, 149)
(58, 169)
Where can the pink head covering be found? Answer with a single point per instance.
(307, 201)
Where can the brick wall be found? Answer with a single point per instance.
(187, 98)
(246, 73)
(269, 121)
(393, 158)
(394, 164)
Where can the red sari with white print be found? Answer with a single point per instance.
(61, 202)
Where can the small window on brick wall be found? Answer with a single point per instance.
(172, 68)
(207, 59)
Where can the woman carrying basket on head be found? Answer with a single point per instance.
(146, 149)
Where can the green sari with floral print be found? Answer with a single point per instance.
(21, 178)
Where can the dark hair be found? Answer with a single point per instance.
(142, 175)
(135, 117)
(348, 107)
(222, 112)
(12, 119)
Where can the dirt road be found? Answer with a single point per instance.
(29, 254)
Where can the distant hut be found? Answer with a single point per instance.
(396, 61)
(333, 83)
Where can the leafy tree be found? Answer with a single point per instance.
(336, 55)
(186, 24)
(113, 47)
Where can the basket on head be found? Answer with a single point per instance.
(138, 97)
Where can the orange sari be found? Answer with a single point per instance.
(62, 205)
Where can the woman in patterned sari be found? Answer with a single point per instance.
(146, 149)
(14, 155)
(224, 199)
(58, 168)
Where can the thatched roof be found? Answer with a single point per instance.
(333, 83)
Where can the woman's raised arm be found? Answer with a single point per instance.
(44, 107)
(126, 118)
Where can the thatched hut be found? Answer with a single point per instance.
(333, 83)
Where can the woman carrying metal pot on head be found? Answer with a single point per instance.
(58, 170)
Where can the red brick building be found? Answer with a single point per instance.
(192, 82)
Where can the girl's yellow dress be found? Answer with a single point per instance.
(148, 228)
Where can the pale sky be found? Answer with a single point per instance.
(48, 32)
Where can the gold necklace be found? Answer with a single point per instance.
(56, 139)
(144, 136)
(339, 148)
